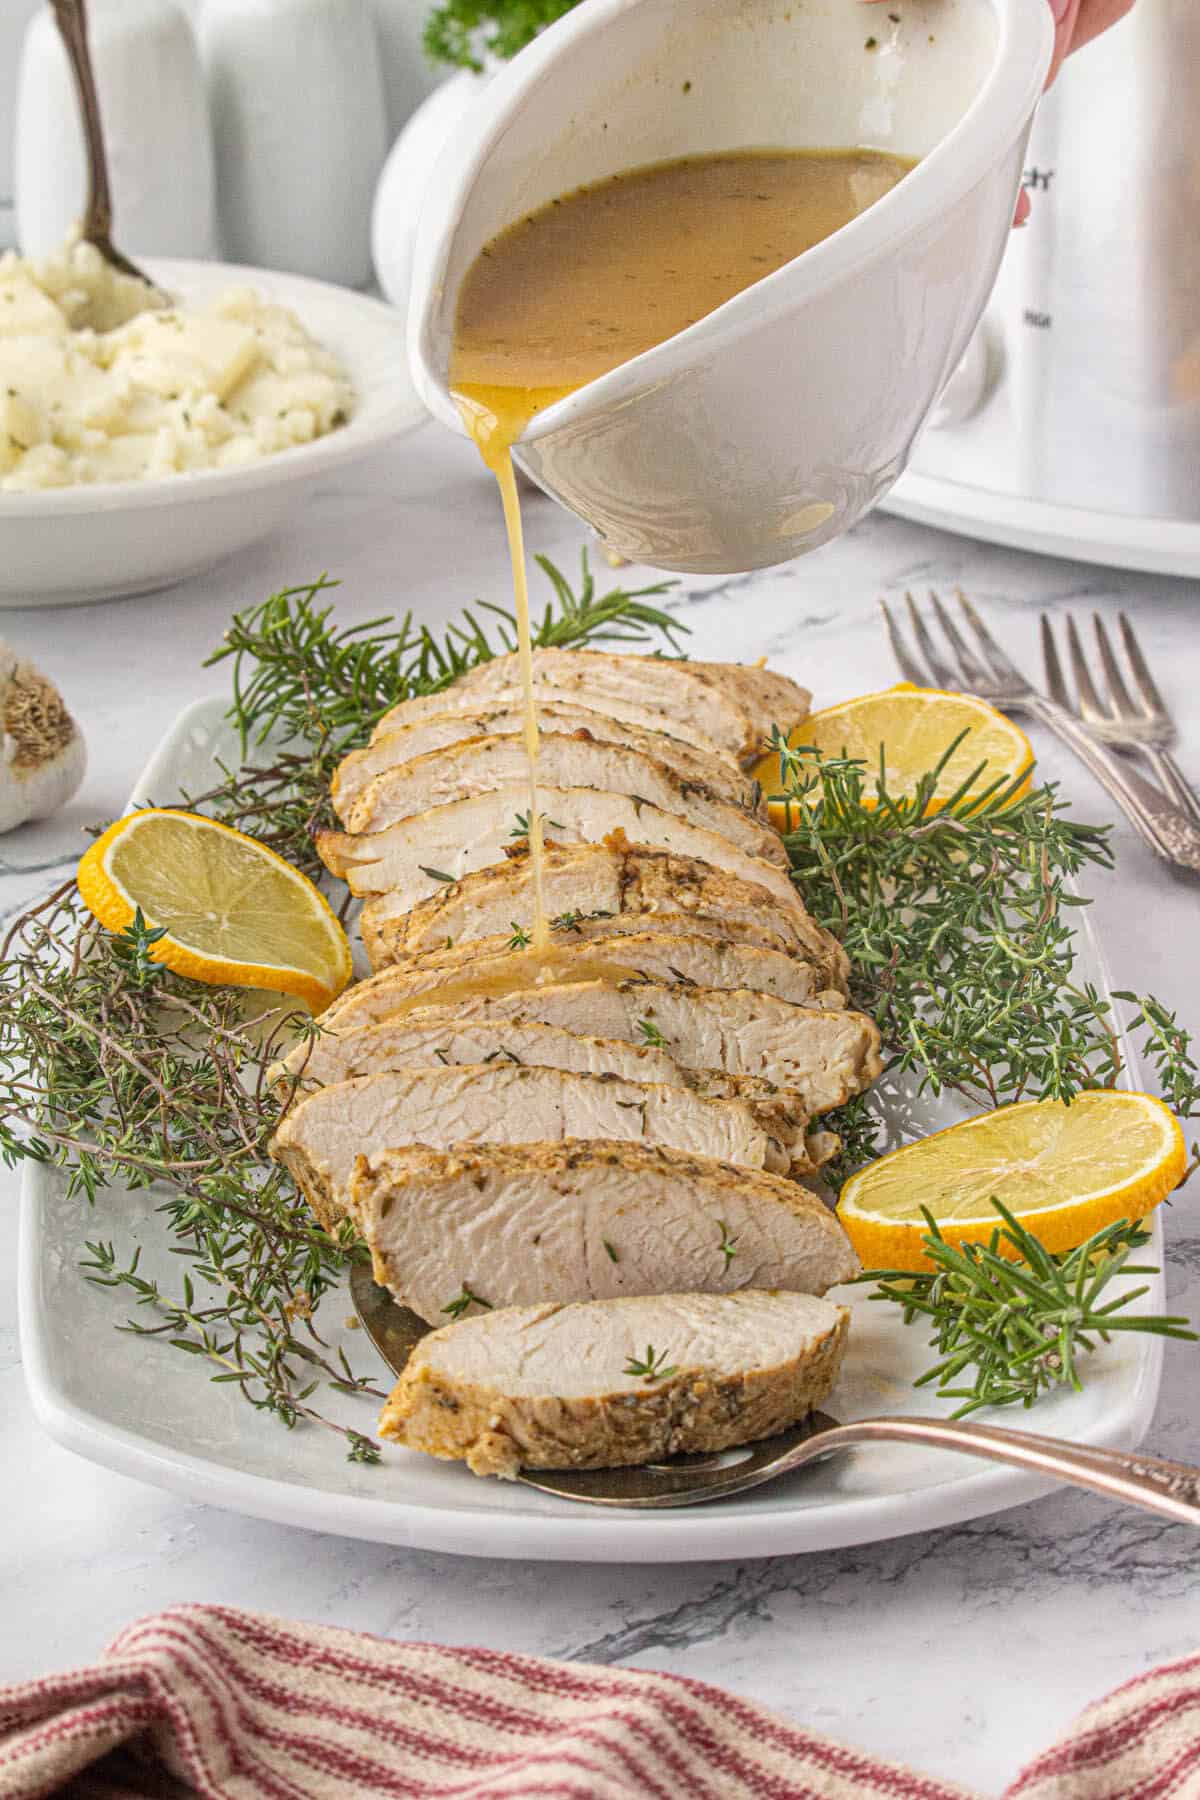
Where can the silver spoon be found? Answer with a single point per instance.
(1169, 1488)
(71, 18)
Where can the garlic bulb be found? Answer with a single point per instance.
(44, 755)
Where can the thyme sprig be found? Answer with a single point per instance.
(1010, 1319)
(958, 919)
(116, 1070)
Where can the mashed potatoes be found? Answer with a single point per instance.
(101, 381)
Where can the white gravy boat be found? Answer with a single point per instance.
(774, 423)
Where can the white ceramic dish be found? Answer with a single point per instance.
(1114, 540)
(772, 424)
(145, 1410)
(117, 538)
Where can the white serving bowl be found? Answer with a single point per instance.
(774, 423)
(99, 541)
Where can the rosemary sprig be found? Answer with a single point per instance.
(310, 690)
(1010, 1319)
(297, 674)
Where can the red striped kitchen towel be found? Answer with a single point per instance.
(207, 1700)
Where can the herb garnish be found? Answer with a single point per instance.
(650, 1367)
(465, 1298)
(521, 828)
(1011, 1319)
(957, 922)
(463, 32)
(114, 1069)
(637, 1106)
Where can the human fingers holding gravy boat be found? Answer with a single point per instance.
(1077, 22)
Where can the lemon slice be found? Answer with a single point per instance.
(914, 727)
(1064, 1171)
(234, 912)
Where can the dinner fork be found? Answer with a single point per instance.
(993, 677)
(1143, 724)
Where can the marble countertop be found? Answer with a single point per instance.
(962, 1652)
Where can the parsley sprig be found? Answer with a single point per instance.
(463, 32)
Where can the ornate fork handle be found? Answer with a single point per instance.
(1165, 826)
(1169, 1488)
(1176, 783)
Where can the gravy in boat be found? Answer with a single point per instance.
(608, 271)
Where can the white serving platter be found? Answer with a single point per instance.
(139, 1407)
(107, 540)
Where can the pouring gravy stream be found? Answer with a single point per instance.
(608, 271)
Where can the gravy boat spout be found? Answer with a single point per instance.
(771, 425)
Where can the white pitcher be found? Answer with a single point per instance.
(156, 131)
(774, 423)
(299, 125)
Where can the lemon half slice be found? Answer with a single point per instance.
(914, 727)
(1063, 1171)
(234, 912)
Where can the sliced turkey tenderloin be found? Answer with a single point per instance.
(824, 1054)
(435, 1035)
(320, 1137)
(515, 1225)
(730, 705)
(509, 695)
(413, 859)
(600, 890)
(496, 764)
(664, 955)
(402, 745)
(557, 1387)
